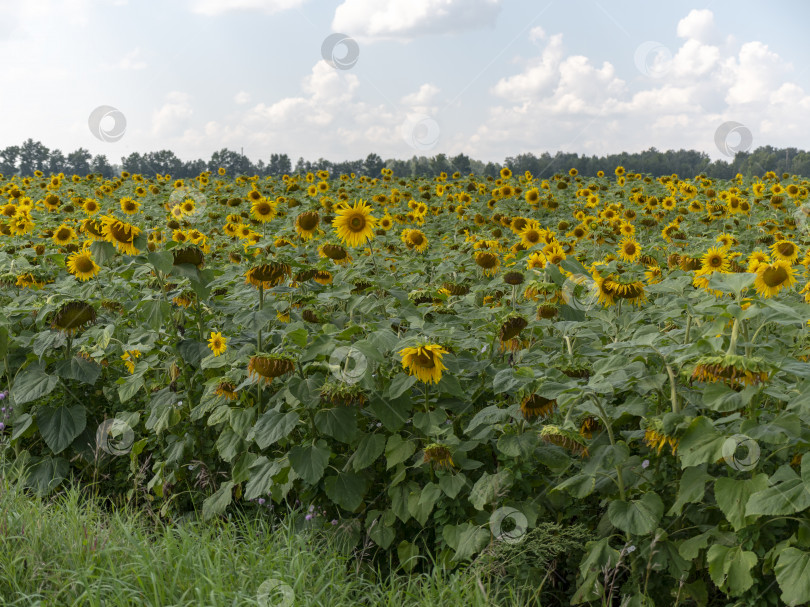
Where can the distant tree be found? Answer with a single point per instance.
(33, 157)
(8, 159)
(373, 165)
(78, 162)
(102, 166)
(56, 162)
(461, 163)
(279, 165)
(233, 162)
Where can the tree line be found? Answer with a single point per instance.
(34, 156)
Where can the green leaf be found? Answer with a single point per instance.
(262, 472)
(639, 517)
(20, 425)
(732, 496)
(469, 540)
(46, 474)
(398, 450)
(339, 422)
(793, 576)
(784, 498)
(79, 369)
(60, 426)
(216, 504)
(451, 484)
(730, 568)
(154, 312)
(487, 488)
(102, 251)
(309, 461)
(701, 443)
(346, 490)
(408, 555)
(691, 488)
(162, 260)
(370, 448)
(400, 384)
(32, 383)
(273, 426)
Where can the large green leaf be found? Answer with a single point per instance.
(47, 473)
(32, 383)
(346, 489)
(488, 487)
(309, 461)
(60, 426)
(701, 443)
(273, 426)
(338, 422)
(730, 568)
(732, 496)
(397, 450)
(786, 497)
(216, 504)
(262, 472)
(793, 575)
(691, 488)
(370, 448)
(79, 369)
(639, 517)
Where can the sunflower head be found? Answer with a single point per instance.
(73, 316)
(266, 367)
(439, 456)
(534, 405)
(268, 275)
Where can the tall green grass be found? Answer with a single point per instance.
(69, 550)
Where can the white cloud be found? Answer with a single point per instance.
(241, 97)
(422, 97)
(173, 116)
(407, 19)
(131, 61)
(218, 7)
(697, 25)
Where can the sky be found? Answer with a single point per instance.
(343, 78)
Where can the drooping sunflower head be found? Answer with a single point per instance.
(734, 370)
(534, 405)
(336, 253)
(512, 326)
(439, 455)
(73, 316)
(266, 367)
(191, 255)
(488, 261)
(227, 389)
(268, 275)
(342, 394)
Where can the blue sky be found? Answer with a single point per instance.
(489, 78)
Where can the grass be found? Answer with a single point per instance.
(68, 550)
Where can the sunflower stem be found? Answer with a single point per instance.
(688, 328)
(606, 421)
(735, 330)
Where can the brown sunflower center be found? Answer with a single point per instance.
(773, 277)
(425, 361)
(786, 249)
(83, 264)
(357, 223)
(63, 233)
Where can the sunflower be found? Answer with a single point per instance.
(262, 210)
(91, 206)
(64, 234)
(355, 225)
(82, 265)
(386, 222)
(537, 261)
(656, 439)
(731, 369)
(73, 316)
(535, 405)
(566, 439)
(306, 224)
(629, 249)
(784, 250)
(268, 275)
(531, 234)
(266, 367)
(417, 240)
(439, 455)
(121, 234)
(488, 261)
(129, 359)
(217, 343)
(772, 278)
(226, 389)
(425, 362)
(129, 206)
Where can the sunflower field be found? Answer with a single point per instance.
(460, 371)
